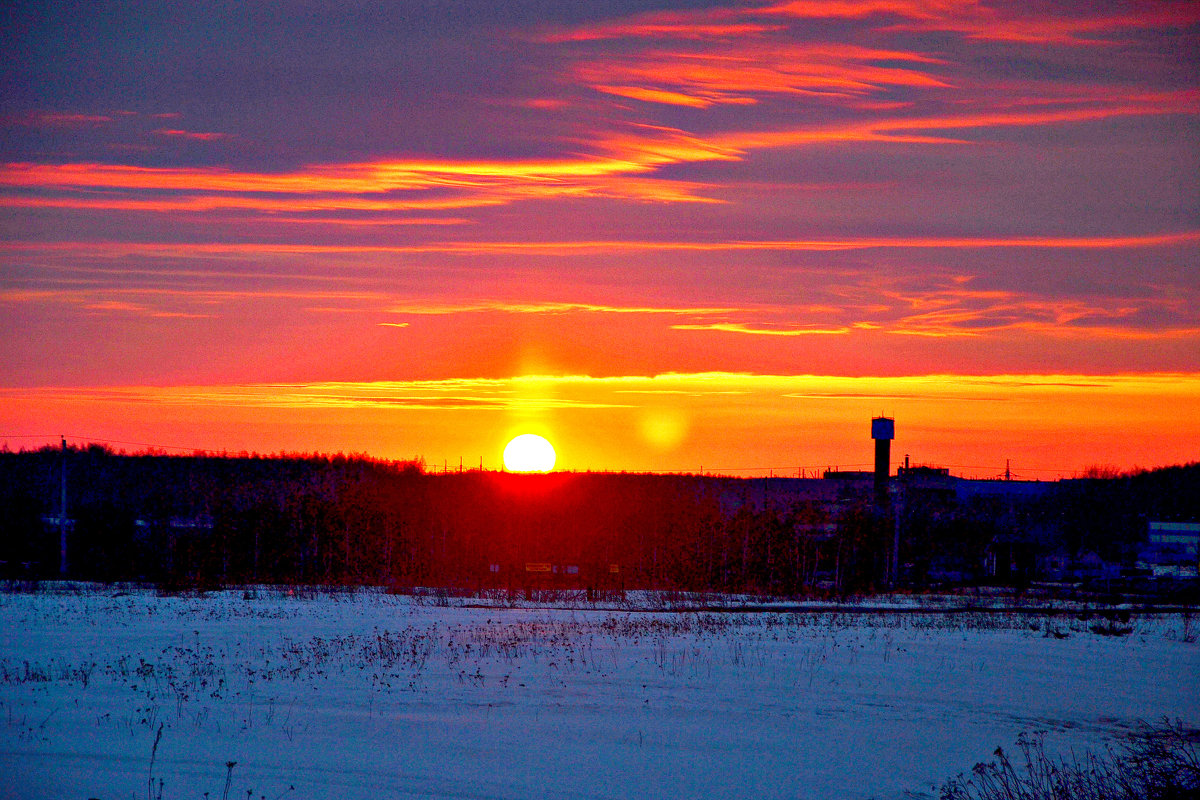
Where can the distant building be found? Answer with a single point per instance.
(1086, 567)
(857, 476)
(1011, 558)
(53, 521)
(1172, 550)
(199, 522)
(929, 481)
(1002, 489)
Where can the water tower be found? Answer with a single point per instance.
(883, 430)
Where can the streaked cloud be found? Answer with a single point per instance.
(738, 327)
(198, 136)
(617, 170)
(54, 118)
(558, 390)
(1026, 26)
(713, 74)
(530, 393)
(427, 308)
(121, 307)
(674, 421)
(621, 246)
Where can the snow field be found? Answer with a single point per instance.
(377, 696)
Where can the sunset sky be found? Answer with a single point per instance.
(666, 236)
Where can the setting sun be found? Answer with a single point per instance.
(529, 453)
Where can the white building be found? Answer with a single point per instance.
(1172, 550)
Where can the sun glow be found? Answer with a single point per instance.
(529, 453)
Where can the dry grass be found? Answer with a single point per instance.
(1155, 763)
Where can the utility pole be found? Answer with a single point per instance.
(898, 513)
(62, 516)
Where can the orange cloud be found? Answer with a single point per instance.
(268, 206)
(663, 96)
(97, 298)
(899, 129)
(138, 309)
(652, 146)
(617, 170)
(723, 74)
(194, 135)
(610, 246)
(731, 22)
(962, 311)
(718, 56)
(857, 9)
(699, 24)
(1017, 23)
(433, 308)
(685, 28)
(1072, 31)
(975, 20)
(920, 305)
(622, 162)
(738, 327)
(63, 119)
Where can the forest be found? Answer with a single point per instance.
(205, 520)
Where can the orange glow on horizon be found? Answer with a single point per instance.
(1051, 425)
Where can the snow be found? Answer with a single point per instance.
(368, 695)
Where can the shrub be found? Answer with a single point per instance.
(1151, 764)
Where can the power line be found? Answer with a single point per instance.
(99, 440)
(784, 471)
(1023, 469)
(142, 444)
(150, 446)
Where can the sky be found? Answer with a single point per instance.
(672, 236)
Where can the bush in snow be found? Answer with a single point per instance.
(1153, 764)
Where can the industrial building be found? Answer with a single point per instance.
(1172, 550)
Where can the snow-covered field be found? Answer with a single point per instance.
(377, 696)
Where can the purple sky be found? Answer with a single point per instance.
(217, 194)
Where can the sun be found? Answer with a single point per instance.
(529, 453)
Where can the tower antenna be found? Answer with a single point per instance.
(62, 516)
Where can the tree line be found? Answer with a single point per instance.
(205, 520)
